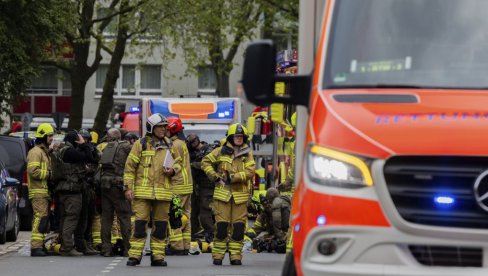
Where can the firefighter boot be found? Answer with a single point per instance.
(217, 262)
(133, 262)
(236, 262)
(159, 263)
(72, 253)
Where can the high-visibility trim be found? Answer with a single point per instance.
(211, 157)
(134, 158)
(249, 163)
(182, 189)
(242, 175)
(222, 194)
(219, 247)
(33, 164)
(240, 197)
(225, 159)
(208, 169)
(148, 153)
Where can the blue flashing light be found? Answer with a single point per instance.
(225, 110)
(321, 220)
(444, 200)
(297, 227)
(134, 109)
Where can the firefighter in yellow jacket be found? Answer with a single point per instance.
(230, 167)
(182, 185)
(38, 174)
(147, 181)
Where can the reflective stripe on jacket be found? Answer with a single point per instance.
(240, 166)
(38, 171)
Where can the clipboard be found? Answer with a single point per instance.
(168, 160)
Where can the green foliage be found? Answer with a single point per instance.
(27, 30)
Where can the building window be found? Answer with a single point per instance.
(134, 81)
(151, 80)
(101, 76)
(51, 81)
(66, 82)
(207, 80)
(128, 80)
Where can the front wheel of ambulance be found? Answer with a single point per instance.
(289, 265)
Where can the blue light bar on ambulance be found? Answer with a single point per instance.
(134, 109)
(225, 110)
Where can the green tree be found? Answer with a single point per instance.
(28, 29)
(211, 31)
(134, 24)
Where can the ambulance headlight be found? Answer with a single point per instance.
(335, 168)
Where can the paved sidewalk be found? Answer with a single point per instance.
(22, 239)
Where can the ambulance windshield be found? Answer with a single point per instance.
(408, 44)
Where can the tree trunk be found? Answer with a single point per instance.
(107, 100)
(81, 72)
(223, 84)
(78, 84)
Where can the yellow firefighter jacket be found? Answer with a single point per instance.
(240, 165)
(144, 169)
(38, 171)
(182, 181)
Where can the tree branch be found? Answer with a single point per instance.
(98, 58)
(98, 38)
(280, 7)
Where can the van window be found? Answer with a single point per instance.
(13, 155)
(408, 43)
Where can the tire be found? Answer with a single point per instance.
(3, 235)
(289, 268)
(12, 234)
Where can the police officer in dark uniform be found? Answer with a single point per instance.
(83, 232)
(203, 187)
(70, 171)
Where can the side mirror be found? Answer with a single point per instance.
(259, 69)
(259, 78)
(11, 182)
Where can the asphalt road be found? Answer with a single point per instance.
(15, 260)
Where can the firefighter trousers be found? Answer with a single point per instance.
(113, 201)
(230, 225)
(180, 239)
(40, 221)
(143, 208)
(70, 208)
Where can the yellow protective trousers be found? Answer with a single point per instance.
(230, 225)
(143, 208)
(40, 220)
